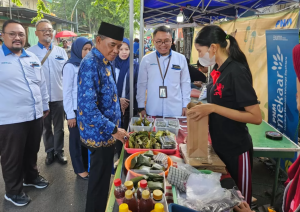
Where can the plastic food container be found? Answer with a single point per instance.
(178, 208)
(130, 175)
(140, 128)
(135, 172)
(134, 150)
(174, 130)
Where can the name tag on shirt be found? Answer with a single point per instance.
(59, 58)
(176, 67)
(163, 92)
(34, 64)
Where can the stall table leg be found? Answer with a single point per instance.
(275, 185)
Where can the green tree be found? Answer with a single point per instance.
(91, 12)
(41, 8)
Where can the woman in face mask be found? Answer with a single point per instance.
(232, 103)
(79, 154)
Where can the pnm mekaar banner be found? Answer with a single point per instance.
(251, 36)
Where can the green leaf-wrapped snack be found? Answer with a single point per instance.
(156, 185)
(145, 168)
(149, 154)
(133, 163)
(155, 177)
(156, 166)
(143, 161)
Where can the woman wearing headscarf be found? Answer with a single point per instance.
(80, 48)
(122, 81)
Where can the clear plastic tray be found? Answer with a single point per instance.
(129, 176)
(140, 128)
(174, 130)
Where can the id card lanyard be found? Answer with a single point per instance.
(163, 89)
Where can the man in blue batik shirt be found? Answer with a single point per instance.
(99, 112)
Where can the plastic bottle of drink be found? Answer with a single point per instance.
(146, 204)
(124, 208)
(143, 187)
(119, 191)
(157, 196)
(130, 201)
(129, 186)
(158, 208)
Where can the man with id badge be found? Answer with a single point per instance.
(52, 59)
(165, 76)
(23, 105)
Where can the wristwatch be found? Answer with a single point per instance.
(140, 109)
(115, 130)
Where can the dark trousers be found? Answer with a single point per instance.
(54, 141)
(101, 162)
(19, 146)
(240, 169)
(78, 153)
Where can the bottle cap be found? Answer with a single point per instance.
(123, 207)
(117, 182)
(159, 207)
(129, 185)
(157, 194)
(128, 194)
(146, 194)
(143, 183)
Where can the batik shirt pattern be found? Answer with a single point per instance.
(98, 104)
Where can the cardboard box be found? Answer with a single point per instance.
(212, 162)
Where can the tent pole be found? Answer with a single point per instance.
(131, 11)
(141, 50)
(10, 15)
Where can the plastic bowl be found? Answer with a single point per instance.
(128, 162)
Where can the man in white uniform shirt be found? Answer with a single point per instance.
(23, 103)
(52, 67)
(165, 76)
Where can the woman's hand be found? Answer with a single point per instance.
(72, 123)
(198, 84)
(243, 207)
(200, 111)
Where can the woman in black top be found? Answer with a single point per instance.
(232, 102)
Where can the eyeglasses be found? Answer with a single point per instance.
(13, 35)
(44, 31)
(167, 42)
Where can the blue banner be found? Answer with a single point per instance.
(282, 106)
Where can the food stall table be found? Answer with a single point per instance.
(277, 149)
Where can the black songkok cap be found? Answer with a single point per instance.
(111, 31)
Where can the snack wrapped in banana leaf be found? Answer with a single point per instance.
(156, 166)
(156, 185)
(149, 154)
(133, 163)
(143, 161)
(142, 121)
(145, 168)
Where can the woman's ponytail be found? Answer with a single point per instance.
(235, 52)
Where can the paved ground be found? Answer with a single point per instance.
(67, 193)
